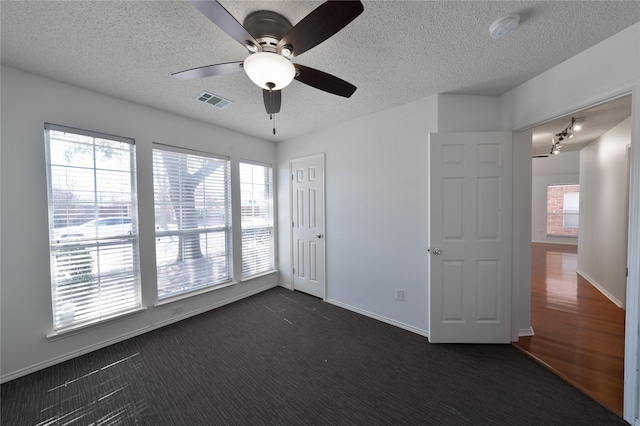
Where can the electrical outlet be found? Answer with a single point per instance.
(399, 294)
(177, 309)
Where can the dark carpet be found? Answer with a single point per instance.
(285, 358)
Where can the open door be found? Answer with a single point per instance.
(470, 193)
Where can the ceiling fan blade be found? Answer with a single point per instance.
(208, 71)
(329, 18)
(272, 100)
(323, 81)
(223, 19)
(541, 156)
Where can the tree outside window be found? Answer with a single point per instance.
(193, 236)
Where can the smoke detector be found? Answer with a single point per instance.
(214, 100)
(504, 26)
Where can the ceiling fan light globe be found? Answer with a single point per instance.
(267, 67)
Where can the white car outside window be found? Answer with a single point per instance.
(103, 227)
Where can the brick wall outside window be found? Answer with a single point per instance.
(562, 219)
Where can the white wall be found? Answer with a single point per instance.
(602, 244)
(611, 67)
(376, 208)
(521, 246)
(376, 191)
(28, 101)
(560, 169)
(464, 113)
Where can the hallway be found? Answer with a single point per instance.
(579, 333)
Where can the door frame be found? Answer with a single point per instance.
(320, 156)
(631, 403)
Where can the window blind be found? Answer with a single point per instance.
(256, 188)
(92, 225)
(192, 214)
(571, 209)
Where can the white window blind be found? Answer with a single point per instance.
(571, 209)
(192, 214)
(256, 187)
(92, 224)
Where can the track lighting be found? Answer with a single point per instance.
(579, 124)
(567, 133)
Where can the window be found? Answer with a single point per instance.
(193, 236)
(256, 189)
(563, 205)
(92, 226)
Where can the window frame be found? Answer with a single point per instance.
(225, 228)
(270, 183)
(95, 249)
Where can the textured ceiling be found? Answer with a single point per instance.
(395, 52)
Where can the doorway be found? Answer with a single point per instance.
(579, 285)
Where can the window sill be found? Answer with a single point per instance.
(193, 293)
(57, 334)
(258, 275)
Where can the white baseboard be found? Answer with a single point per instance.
(571, 241)
(104, 344)
(380, 318)
(523, 332)
(601, 289)
(288, 286)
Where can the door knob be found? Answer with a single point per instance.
(318, 235)
(436, 250)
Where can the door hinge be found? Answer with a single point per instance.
(293, 224)
(292, 177)
(627, 273)
(294, 271)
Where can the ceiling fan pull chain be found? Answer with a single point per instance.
(272, 116)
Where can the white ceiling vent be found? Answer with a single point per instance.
(211, 99)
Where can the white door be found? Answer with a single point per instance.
(307, 183)
(470, 230)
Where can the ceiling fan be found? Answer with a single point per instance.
(272, 41)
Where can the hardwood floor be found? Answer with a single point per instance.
(579, 333)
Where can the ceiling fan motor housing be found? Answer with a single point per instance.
(271, 39)
(267, 28)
